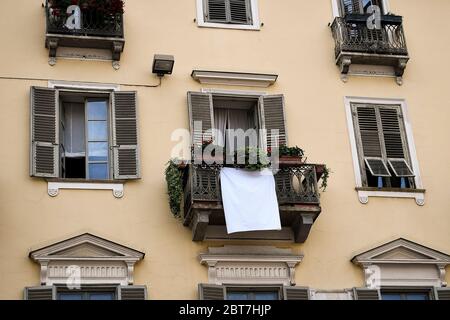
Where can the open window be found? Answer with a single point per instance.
(358, 6)
(88, 135)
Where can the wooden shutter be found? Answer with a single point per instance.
(132, 293)
(228, 11)
(125, 136)
(201, 111)
(44, 155)
(296, 293)
(351, 6)
(380, 134)
(40, 293)
(442, 293)
(240, 11)
(273, 118)
(211, 292)
(366, 294)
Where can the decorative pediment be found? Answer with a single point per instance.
(403, 263)
(87, 246)
(402, 251)
(87, 258)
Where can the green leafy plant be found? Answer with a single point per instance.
(324, 178)
(291, 151)
(174, 186)
(253, 159)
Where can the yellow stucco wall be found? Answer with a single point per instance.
(295, 42)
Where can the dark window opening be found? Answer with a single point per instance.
(84, 136)
(405, 295)
(253, 294)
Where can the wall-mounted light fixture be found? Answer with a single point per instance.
(163, 64)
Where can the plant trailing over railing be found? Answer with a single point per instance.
(324, 178)
(253, 159)
(174, 186)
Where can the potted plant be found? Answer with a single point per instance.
(252, 159)
(289, 155)
(208, 152)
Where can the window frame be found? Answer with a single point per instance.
(85, 95)
(87, 289)
(256, 25)
(405, 290)
(254, 288)
(337, 11)
(365, 192)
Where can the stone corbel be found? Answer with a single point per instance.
(212, 272)
(199, 224)
(399, 70)
(303, 226)
(291, 266)
(52, 45)
(345, 67)
(130, 272)
(441, 269)
(117, 48)
(44, 268)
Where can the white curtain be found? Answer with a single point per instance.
(230, 119)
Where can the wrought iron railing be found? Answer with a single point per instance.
(295, 184)
(93, 23)
(353, 35)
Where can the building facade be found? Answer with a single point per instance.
(88, 129)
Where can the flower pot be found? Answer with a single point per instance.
(290, 160)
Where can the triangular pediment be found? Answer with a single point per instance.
(401, 251)
(86, 246)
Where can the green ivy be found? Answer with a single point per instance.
(324, 178)
(174, 186)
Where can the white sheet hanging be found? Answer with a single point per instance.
(249, 200)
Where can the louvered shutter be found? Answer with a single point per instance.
(200, 116)
(240, 11)
(366, 294)
(40, 293)
(44, 155)
(351, 6)
(125, 136)
(228, 11)
(442, 293)
(273, 118)
(296, 293)
(211, 292)
(132, 293)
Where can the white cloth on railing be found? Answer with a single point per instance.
(249, 200)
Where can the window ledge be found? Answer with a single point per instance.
(364, 193)
(253, 27)
(54, 185)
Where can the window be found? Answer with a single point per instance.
(234, 14)
(358, 6)
(382, 146)
(86, 294)
(78, 134)
(254, 294)
(229, 292)
(405, 295)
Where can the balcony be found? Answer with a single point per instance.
(97, 29)
(356, 44)
(298, 199)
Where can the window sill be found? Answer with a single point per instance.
(254, 27)
(364, 193)
(54, 185)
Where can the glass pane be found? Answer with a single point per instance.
(98, 151)
(101, 296)
(97, 130)
(70, 296)
(98, 171)
(266, 295)
(97, 110)
(238, 296)
(417, 296)
(391, 296)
